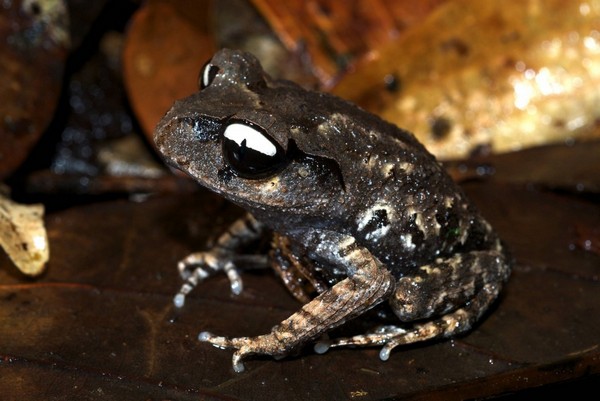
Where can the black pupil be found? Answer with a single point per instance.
(247, 162)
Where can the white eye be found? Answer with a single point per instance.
(209, 72)
(255, 140)
(250, 152)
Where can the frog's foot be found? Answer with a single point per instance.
(378, 336)
(198, 266)
(390, 337)
(267, 344)
(370, 284)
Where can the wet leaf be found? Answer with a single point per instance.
(100, 323)
(540, 166)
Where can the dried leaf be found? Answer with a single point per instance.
(34, 47)
(333, 33)
(23, 235)
(166, 45)
(493, 75)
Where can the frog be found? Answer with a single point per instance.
(359, 214)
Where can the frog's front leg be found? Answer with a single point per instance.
(198, 266)
(453, 293)
(368, 283)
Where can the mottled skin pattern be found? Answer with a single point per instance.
(362, 214)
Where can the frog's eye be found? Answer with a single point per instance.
(250, 152)
(207, 75)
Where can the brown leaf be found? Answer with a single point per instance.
(100, 322)
(166, 45)
(541, 166)
(334, 33)
(491, 74)
(33, 51)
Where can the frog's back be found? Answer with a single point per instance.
(399, 202)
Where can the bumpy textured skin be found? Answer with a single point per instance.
(362, 213)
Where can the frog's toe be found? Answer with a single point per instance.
(205, 336)
(224, 342)
(239, 355)
(190, 283)
(385, 352)
(235, 280)
(216, 341)
(188, 265)
(246, 346)
(322, 346)
(179, 300)
(186, 288)
(238, 366)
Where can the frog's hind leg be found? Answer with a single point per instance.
(452, 293)
(391, 336)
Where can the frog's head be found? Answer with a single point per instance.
(256, 141)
